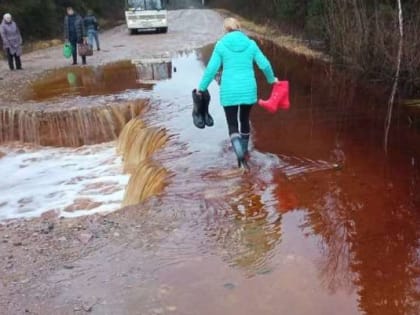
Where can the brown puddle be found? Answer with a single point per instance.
(366, 215)
(104, 80)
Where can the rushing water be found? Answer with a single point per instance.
(70, 182)
(295, 235)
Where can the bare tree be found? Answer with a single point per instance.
(396, 78)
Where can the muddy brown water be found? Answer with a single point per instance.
(301, 236)
(367, 214)
(104, 80)
(295, 235)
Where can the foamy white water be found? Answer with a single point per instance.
(71, 181)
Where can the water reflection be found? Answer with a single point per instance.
(366, 214)
(370, 244)
(109, 79)
(251, 228)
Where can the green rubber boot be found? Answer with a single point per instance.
(245, 143)
(237, 147)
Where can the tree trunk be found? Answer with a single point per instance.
(396, 78)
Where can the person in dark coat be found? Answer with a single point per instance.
(12, 41)
(74, 32)
(92, 27)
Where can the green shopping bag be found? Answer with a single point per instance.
(67, 50)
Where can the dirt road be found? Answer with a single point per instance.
(188, 29)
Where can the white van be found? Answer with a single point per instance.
(146, 15)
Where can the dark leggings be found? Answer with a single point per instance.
(232, 119)
(15, 58)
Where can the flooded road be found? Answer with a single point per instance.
(324, 223)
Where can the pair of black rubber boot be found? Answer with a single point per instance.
(240, 147)
(201, 116)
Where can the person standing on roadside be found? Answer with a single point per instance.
(74, 32)
(92, 27)
(12, 41)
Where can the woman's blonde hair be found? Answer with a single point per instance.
(7, 17)
(231, 24)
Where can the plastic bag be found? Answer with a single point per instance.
(67, 51)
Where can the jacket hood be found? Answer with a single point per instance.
(236, 41)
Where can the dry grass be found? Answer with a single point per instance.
(412, 103)
(31, 46)
(42, 44)
(271, 32)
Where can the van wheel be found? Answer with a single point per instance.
(132, 31)
(163, 30)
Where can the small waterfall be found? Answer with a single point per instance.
(136, 144)
(126, 137)
(147, 180)
(68, 128)
(146, 142)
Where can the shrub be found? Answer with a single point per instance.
(43, 19)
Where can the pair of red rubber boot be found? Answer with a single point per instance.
(279, 98)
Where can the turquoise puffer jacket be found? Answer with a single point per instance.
(236, 53)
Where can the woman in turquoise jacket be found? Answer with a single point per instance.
(236, 53)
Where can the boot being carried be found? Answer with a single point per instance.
(279, 98)
(201, 116)
(197, 113)
(208, 120)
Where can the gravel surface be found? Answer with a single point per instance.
(188, 29)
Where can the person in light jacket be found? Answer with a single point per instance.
(236, 53)
(12, 41)
(92, 27)
(74, 32)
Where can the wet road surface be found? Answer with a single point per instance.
(189, 29)
(296, 235)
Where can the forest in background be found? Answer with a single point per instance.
(363, 35)
(43, 19)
